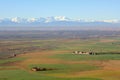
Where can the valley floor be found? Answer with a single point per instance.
(65, 69)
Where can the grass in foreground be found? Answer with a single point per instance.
(23, 75)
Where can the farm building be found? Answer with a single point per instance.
(81, 53)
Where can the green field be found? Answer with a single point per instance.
(57, 55)
(24, 75)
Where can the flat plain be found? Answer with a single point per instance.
(55, 54)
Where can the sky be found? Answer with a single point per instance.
(83, 9)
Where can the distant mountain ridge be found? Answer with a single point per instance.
(56, 21)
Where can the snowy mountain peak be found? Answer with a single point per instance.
(61, 18)
(31, 20)
(54, 21)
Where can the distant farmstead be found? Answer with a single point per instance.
(81, 53)
(41, 69)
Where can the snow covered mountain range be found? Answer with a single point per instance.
(55, 21)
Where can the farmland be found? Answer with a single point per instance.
(50, 51)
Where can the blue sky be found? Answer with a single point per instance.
(84, 9)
